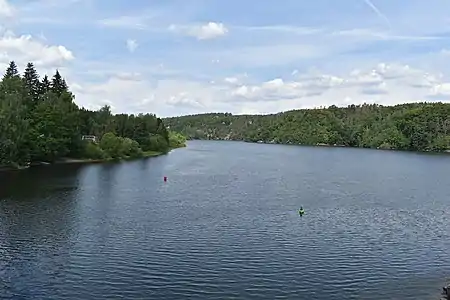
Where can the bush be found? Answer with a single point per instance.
(92, 151)
(155, 142)
(176, 140)
(131, 148)
(117, 147)
(112, 145)
(158, 143)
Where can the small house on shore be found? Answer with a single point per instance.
(91, 138)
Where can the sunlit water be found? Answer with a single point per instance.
(225, 226)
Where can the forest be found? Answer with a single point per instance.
(40, 122)
(412, 126)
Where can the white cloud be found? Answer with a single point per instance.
(207, 31)
(384, 84)
(133, 94)
(445, 52)
(236, 79)
(231, 80)
(132, 45)
(128, 76)
(6, 10)
(128, 22)
(24, 49)
(381, 80)
(441, 89)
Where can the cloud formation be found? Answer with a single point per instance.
(6, 10)
(207, 31)
(212, 56)
(26, 48)
(124, 22)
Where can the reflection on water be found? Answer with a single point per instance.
(39, 225)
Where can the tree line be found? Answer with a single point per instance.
(39, 121)
(412, 126)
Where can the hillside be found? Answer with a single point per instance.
(413, 126)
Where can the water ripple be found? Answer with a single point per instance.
(225, 227)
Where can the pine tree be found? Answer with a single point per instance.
(58, 85)
(45, 85)
(11, 71)
(31, 81)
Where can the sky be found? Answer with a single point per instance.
(173, 57)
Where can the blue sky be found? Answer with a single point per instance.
(177, 57)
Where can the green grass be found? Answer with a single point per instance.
(152, 153)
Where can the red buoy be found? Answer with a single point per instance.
(165, 178)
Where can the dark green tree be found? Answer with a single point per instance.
(11, 71)
(45, 85)
(32, 83)
(58, 85)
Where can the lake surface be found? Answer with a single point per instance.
(225, 226)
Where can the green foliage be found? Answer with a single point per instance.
(32, 84)
(45, 85)
(117, 147)
(39, 121)
(415, 126)
(131, 148)
(176, 140)
(156, 142)
(55, 131)
(146, 129)
(93, 151)
(58, 84)
(14, 124)
(112, 145)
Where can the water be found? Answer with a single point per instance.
(225, 226)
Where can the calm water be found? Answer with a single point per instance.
(225, 226)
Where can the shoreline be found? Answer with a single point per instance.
(71, 160)
(326, 146)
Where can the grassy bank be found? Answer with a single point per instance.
(152, 153)
(89, 160)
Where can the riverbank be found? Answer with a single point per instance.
(71, 160)
(146, 154)
(446, 151)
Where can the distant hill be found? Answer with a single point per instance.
(412, 126)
